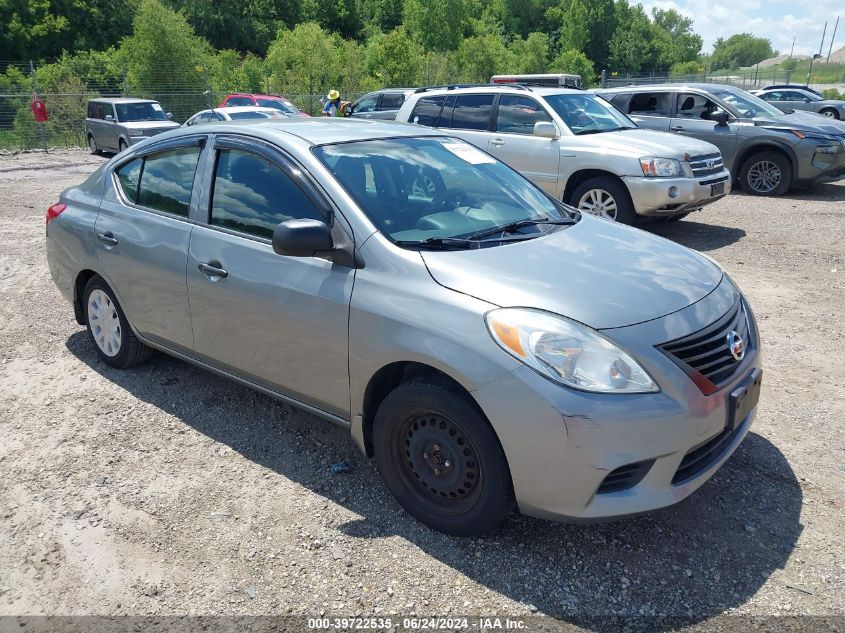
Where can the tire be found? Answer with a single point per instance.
(92, 145)
(113, 339)
(766, 174)
(596, 195)
(121, 145)
(423, 430)
(830, 113)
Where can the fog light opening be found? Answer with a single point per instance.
(673, 192)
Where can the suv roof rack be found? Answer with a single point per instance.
(457, 86)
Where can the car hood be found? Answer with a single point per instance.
(639, 143)
(151, 125)
(599, 273)
(804, 121)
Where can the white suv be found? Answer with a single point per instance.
(578, 148)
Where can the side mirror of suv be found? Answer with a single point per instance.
(109, 118)
(545, 129)
(720, 117)
(302, 238)
(169, 116)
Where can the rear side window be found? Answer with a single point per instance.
(252, 195)
(167, 180)
(92, 110)
(239, 101)
(427, 111)
(472, 112)
(128, 177)
(620, 102)
(517, 115)
(392, 100)
(650, 104)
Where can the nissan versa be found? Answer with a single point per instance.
(487, 345)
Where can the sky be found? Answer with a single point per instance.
(777, 20)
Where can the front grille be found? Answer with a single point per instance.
(706, 352)
(706, 164)
(625, 477)
(702, 457)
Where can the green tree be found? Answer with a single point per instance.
(632, 46)
(576, 63)
(382, 15)
(742, 49)
(229, 71)
(480, 57)
(530, 55)
(677, 43)
(337, 16)
(570, 24)
(436, 24)
(394, 59)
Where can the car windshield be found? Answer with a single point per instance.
(588, 114)
(283, 106)
(746, 104)
(144, 111)
(427, 191)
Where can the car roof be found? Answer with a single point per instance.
(510, 89)
(257, 95)
(231, 109)
(669, 86)
(122, 100)
(325, 130)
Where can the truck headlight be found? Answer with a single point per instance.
(661, 167)
(567, 352)
(829, 149)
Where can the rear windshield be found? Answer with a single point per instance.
(145, 111)
(248, 115)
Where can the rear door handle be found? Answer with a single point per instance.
(212, 271)
(107, 238)
(677, 128)
(497, 142)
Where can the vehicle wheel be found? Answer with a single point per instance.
(766, 174)
(606, 198)
(121, 145)
(92, 145)
(108, 328)
(440, 458)
(675, 218)
(831, 114)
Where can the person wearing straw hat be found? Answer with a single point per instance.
(333, 104)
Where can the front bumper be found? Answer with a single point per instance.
(561, 444)
(815, 167)
(670, 196)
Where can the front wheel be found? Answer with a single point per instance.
(766, 174)
(108, 328)
(830, 114)
(440, 458)
(121, 145)
(606, 198)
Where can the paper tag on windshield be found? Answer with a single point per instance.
(470, 154)
(156, 107)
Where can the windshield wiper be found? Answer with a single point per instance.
(610, 129)
(513, 226)
(440, 242)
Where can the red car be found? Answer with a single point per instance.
(283, 104)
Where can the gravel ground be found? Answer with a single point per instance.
(166, 490)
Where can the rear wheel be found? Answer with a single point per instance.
(108, 328)
(830, 113)
(92, 144)
(766, 174)
(121, 145)
(606, 198)
(440, 458)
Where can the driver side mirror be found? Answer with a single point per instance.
(169, 116)
(302, 238)
(720, 117)
(109, 118)
(545, 129)
(806, 99)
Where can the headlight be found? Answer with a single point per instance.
(661, 167)
(829, 149)
(136, 132)
(567, 352)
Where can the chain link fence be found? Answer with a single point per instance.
(750, 80)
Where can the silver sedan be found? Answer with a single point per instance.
(787, 99)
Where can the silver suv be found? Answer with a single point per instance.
(578, 149)
(114, 124)
(767, 150)
(485, 345)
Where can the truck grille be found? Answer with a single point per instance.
(706, 353)
(706, 164)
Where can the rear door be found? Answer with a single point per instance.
(389, 105)
(514, 143)
(650, 109)
(280, 322)
(692, 112)
(470, 117)
(143, 232)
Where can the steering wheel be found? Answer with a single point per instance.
(453, 198)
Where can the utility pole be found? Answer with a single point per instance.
(792, 50)
(832, 37)
(821, 46)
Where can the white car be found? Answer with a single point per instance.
(235, 113)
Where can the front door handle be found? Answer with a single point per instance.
(677, 128)
(107, 238)
(497, 142)
(212, 271)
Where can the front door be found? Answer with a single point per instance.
(280, 322)
(513, 142)
(692, 119)
(142, 233)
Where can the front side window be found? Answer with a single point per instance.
(239, 101)
(517, 115)
(746, 104)
(137, 112)
(367, 104)
(588, 114)
(472, 112)
(253, 195)
(650, 104)
(414, 189)
(427, 111)
(696, 106)
(167, 180)
(277, 104)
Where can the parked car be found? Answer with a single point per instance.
(578, 148)
(113, 124)
(235, 113)
(801, 86)
(278, 102)
(382, 104)
(787, 100)
(484, 345)
(767, 151)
